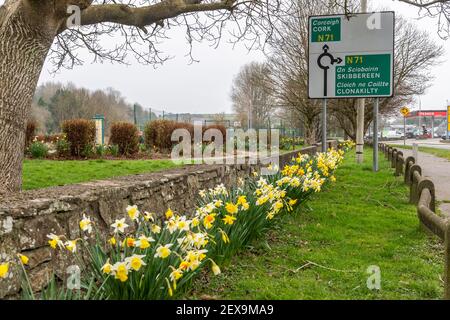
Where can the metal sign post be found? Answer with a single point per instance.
(448, 123)
(375, 135)
(324, 125)
(404, 130)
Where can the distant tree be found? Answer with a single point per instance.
(53, 103)
(252, 95)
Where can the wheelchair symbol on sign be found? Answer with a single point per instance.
(325, 65)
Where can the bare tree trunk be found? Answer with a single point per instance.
(22, 54)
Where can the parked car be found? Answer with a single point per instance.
(393, 134)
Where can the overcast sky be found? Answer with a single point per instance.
(204, 87)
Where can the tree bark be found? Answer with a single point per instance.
(24, 44)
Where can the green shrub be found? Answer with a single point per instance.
(158, 134)
(113, 150)
(142, 148)
(38, 150)
(88, 151)
(126, 136)
(80, 133)
(101, 150)
(62, 148)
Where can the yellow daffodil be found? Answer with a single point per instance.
(169, 288)
(119, 225)
(169, 213)
(218, 203)
(175, 275)
(278, 205)
(241, 200)
(184, 265)
(149, 216)
(215, 268)
(225, 237)
(130, 242)
(183, 224)
(55, 241)
(121, 271)
(229, 219)
(112, 241)
(24, 259)
(163, 251)
(231, 208)
(71, 245)
(133, 212)
(144, 242)
(4, 267)
(156, 228)
(195, 222)
(292, 202)
(86, 224)
(209, 220)
(107, 267)
(135, 262)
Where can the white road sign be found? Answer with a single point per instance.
(351, 57)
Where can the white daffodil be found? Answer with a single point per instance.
(86, 224)
(133, 212)
(119, 225)
(163, 251)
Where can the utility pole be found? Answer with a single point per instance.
(360, 105)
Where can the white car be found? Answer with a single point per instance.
(393, 134)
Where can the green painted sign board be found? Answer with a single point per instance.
(364, 75)
(326, 29)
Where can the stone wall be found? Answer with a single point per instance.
(27, 217)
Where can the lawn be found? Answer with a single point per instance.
(442, 153)
(323, 251)
(47, 173)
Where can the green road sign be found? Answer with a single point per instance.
(326, 29)
(351, 57)
(364, 75)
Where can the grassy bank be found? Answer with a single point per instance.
(323, 252)
(47, 173)
(441, 153)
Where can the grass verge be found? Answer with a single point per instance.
(441, 153)
(48, 173)
(324, 251)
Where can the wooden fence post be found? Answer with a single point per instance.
(414, 183)
(408, 163)
(447, 264)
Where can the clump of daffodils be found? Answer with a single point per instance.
(146, 257)
(142, 256)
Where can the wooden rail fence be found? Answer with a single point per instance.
(422, 194)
